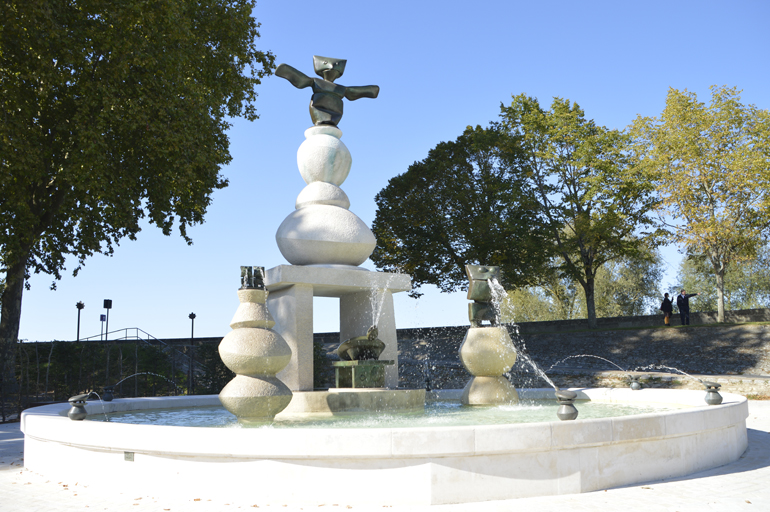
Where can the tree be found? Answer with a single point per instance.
(747, 285)
(464, 203)
(629, 286)
(554, 298)
(597, 208)
(623, 287)
(710, 166)
(113, 111)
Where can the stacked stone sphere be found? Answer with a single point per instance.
(322, 230)
(256, 353)
(487, 353)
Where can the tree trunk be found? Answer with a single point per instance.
(720, 296)
(588, 287)
(10, 315)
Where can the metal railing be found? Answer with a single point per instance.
(179, 359)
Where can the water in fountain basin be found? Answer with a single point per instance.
(436, 414)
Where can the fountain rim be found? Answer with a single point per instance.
(50, 423)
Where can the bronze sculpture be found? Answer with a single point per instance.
(326, 102)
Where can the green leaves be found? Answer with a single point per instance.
(467, 202)
(710, 166)
(116, 110)
(597, 209)
(113, 110)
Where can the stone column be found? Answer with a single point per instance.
(292, 288)
(292, 308)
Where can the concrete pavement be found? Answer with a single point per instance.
(742, 485)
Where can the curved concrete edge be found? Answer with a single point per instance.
(424, 465)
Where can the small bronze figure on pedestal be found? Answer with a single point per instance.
(326, 102)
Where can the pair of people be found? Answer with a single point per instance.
(682, 303)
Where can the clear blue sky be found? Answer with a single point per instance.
(441, 65)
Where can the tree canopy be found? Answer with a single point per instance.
(467, 202)
(598, 208)
(113, 111)
(747, 285)
(710, 165)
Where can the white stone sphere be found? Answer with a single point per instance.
(320, 192)
(487, 351)
(253, 351)
(323, 156)
(255, 398)
(324, 235)
(489, 391)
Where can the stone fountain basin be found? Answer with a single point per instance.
(388, 466)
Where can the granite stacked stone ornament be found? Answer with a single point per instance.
(487, 350)
(256, 353)
(322, 230)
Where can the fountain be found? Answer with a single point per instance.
(324, 243)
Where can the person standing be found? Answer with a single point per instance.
(683, 303)
(667, 307)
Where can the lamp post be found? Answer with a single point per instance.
(80, 306)
(191, 316)
(108, 307)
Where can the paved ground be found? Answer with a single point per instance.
(742, 485)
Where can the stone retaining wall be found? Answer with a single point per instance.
(736, 356)
(738, 353)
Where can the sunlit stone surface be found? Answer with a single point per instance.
(322, 230)
(487, 353)
(255, 353)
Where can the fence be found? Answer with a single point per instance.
(136, 363)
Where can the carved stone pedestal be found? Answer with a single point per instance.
(255, 352)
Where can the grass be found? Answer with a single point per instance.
(691, 326)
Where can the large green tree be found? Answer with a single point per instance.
(112, 111)
(597, 207)
(467, 202)
(747, 284)
(710, 166)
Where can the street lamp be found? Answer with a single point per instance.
(108, 307)
(191, 316)
(80, 306)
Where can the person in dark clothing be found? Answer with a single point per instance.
(683, 303)
(667, 307)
